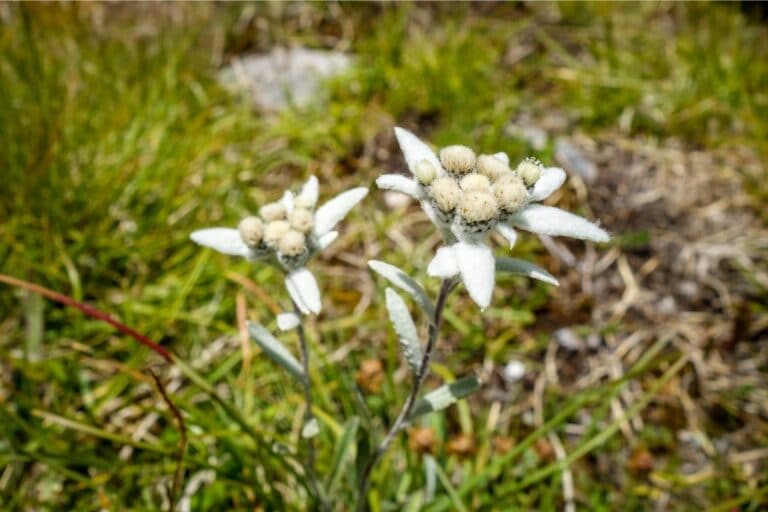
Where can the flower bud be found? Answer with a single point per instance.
(251, 231)
(530, 170)
(292, 243)
(478, 207)
(275, 230)
(301, 220)
(446, 193)
(510, 192)
(425, 172)
(273, 211)
(457, 159)
(491, 167)
(476, 182)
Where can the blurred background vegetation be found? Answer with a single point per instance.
(117, 141)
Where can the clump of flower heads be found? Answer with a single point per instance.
(289, 231)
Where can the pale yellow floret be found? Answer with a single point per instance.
(478, 207)
(251, 231)
(476, 182)
(292, 243)
(275, 230)
(510, 192)
(304, 202)
(491, 167)
(301, 220)
(273, 211)
(425, 172)
(457, 159)
(446, 193)
(530, 170)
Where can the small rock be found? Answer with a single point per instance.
(513, 371)
(283, 76)
(568, 339)
(574, 160)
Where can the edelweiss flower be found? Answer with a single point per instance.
(290, 232)
(466, 196)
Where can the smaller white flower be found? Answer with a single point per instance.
(468, 196)
(289, 232)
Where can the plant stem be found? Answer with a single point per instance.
(308, 414)
(416, 383)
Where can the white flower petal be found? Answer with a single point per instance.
(444, 263)
(507, 232)
(414, 150)
(399, 183)
(302, 287)
(328, 215)
(327, 239)
(310, 191)
(556, 222)
(502, 156)
(287, 201)
(525, 268)
(478, 271)
(224, 240)
(552, 178)
(287, 321)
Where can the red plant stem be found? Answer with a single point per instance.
(90, 311)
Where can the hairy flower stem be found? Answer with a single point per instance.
(416, 383)
(309, 416)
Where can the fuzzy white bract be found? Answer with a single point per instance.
(288, 232)
(468, 196)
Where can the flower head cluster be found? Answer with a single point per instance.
(468, 195)
(289, 232)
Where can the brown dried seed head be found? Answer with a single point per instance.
(475, 182)
(478, 207)
(446, 193)
(275, 230)
(273, 211)
(530, 171)
(510, 192)
(251, 231)
(457, 159)
(491, 167)
(301, 220)
(292, 243)
(425, 172)
(461, 445)
(370, 375)
(422, 440)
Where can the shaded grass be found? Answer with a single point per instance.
(117, 143)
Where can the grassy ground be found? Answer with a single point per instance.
(117, 142)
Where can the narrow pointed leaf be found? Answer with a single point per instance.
(343, 453)
(399, 183)
(403, 281)
(224, 240)
(328, 215)
(552, 178)
(287, 321)
(478, 271)
(414, 150)
(444, 263)
(405, 329)
(275, 350)
(445, 395)
(302, 287)
(525, 268)
(310, 191)
(507, 232)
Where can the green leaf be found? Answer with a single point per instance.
(275, 350)
(343, 454)
(445, 395)
(405, 329)
(403, 281)
(524, 268)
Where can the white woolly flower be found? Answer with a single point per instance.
(467, 213)
(289, 232)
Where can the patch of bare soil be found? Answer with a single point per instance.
(690, 267)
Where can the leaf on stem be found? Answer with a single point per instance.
(405, 329)
(401, 280)
(445, 395)
(275, 350)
